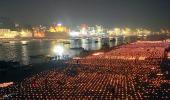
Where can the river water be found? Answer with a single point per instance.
(26, 54)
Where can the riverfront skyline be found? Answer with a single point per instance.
(131, 13)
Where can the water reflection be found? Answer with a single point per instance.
(25, 53)
(9, 52)
(116, 41)
(25, 57)
(85, 44)
(76, 43)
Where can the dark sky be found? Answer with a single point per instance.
(132, 13)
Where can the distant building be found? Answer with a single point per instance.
(9, 29)
(7, 33)
(25, 33)
(39, 31)
(57, 32)
(58, 28)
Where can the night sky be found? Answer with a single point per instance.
(116, 13)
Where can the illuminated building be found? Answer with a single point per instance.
(59, 29)
(117, 31)
(25, 33)
(57, 32)
(7, 33)
(114, 32)
(39, 32)
(164, 31)
(84, 30)
(99, 30)
(129, 32)
(7, 28)
(92, 31)
(111, 32)
(74, 34)
(126, 31)
(143, 32)
(88, 31)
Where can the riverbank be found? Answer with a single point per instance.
(22, 72)
(131, 71)
(18, 74)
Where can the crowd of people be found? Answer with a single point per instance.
(130, 72)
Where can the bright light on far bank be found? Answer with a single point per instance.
(59, 24)
(58, 50)
(24, 42)
(74, 34)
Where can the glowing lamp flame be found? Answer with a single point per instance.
(98, 53)
(2, 85)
